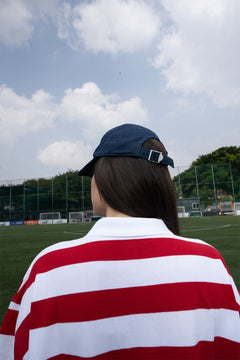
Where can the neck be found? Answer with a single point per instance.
(114, 213)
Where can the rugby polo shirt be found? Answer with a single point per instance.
(129, 289)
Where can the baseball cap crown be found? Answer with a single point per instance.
(126, 140)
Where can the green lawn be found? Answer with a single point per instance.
(20, 244)
(222, 232)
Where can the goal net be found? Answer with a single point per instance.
(50, 216)
(195, 213)
(236, 208)
(88, 215)
(76, 217)
(181, 211)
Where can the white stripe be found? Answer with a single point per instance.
(14, 306)
(49, 249)
(6, 347)
(92, 338)
(115, 229)
(102, 275)
(25, 306)
(125, 227)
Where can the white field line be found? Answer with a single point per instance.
(210, 228)
(74, 233)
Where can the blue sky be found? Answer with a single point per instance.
(70, 70)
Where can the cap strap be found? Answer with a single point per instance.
(156, 157)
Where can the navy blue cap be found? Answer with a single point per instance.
(126, 140)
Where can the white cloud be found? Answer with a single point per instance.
(15, 23)
(199, 145)
(20, 115)
(65, 155)
(64, 26)
(110, 26)
(87, 107)
(97, 112)
(43, 8)
(199, 52)
(94, 113)
(89, 110)
(18, 17)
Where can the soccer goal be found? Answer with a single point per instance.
(76, 217)
(88, 215)
(195, 213)
(236, 208)
(181, 212)
(50, 216)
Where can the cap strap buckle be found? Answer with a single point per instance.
(155, 156)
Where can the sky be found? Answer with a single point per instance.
(71, 70)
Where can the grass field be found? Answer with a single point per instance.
(20, 244)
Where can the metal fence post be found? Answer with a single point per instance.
(82, 195)
(66, 196)
(10, 201)
(38, 198)
(195, 168)
(52, 196)
(230, 169)
(214, 188)
(24, 200)
(180, 187)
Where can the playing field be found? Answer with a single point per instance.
(20, 244)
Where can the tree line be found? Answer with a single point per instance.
(214, 174)
(218, 171)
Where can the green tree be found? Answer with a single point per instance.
(221, 169)
(64, 192)
(227, 154)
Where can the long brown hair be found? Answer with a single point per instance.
(138, 187)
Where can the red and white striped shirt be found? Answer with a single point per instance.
(129, 289)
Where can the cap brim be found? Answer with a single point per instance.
(88, 170)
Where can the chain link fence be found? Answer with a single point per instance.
(27, 199)
(205, 188)
(208, 188)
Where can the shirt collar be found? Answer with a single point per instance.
(130, 227)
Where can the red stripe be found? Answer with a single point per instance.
(108, 303)
(22, 339)
(220, 349)
(9, 322)
(137, 300)
(116, 250)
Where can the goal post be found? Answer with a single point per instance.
(195, 213)
(236, 208)
(181, 211)
(50, 216)
(76, 217)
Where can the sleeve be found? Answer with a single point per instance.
(17, 313)
(7, 333)
(14, 331)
